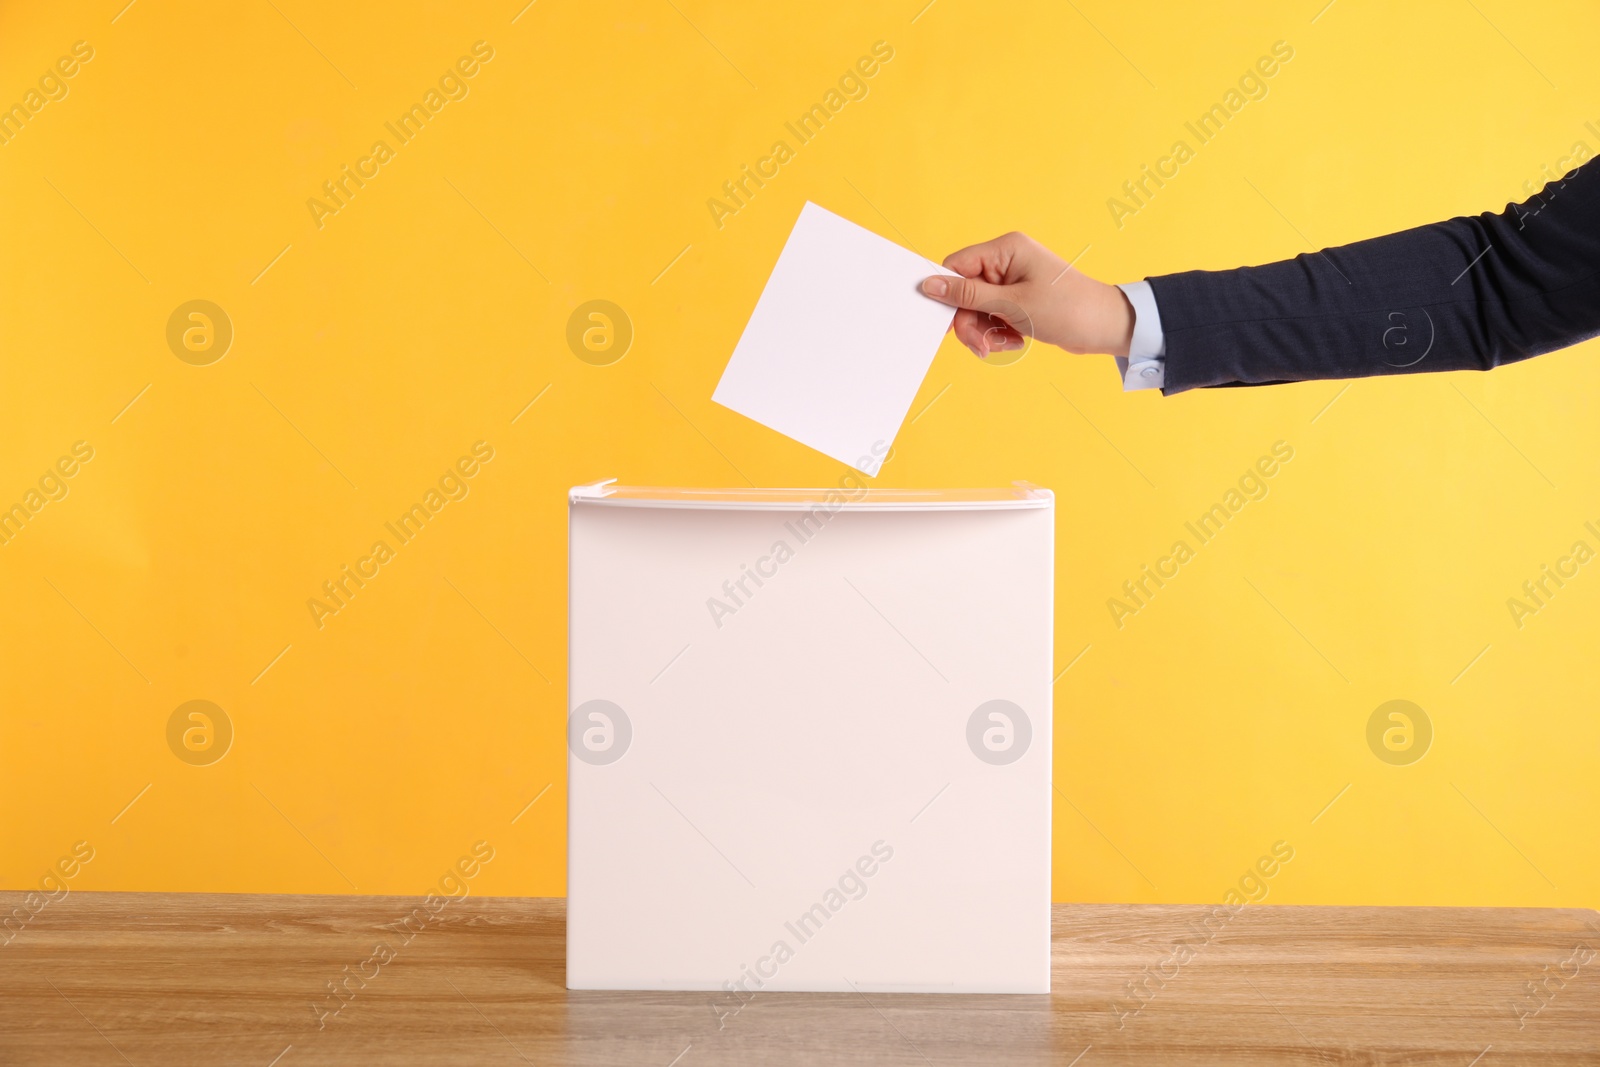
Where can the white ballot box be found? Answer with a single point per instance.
(809, 740)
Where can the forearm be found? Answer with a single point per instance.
(1467, 293)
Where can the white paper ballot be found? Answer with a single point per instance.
(839, 342)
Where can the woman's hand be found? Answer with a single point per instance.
(1013, 287)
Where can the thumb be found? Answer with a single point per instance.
(971, 293)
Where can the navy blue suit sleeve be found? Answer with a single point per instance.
(1469, 293)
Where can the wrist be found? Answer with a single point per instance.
(1119, 331)
(1106, 323)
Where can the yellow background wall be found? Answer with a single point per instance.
(372, 351)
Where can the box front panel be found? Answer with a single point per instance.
(810, 752)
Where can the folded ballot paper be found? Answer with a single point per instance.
(839, 342)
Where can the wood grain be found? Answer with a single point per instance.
(145, 979)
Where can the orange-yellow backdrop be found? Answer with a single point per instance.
(373, 346)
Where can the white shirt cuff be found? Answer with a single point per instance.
(1145, 367)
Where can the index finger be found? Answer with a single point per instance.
(988, 260)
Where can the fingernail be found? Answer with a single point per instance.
(935, 286)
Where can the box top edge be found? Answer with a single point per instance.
(608, 493)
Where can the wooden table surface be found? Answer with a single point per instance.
(146, 979)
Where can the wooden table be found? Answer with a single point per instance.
(147, 979)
